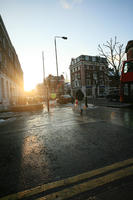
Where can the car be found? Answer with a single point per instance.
(114, 95)
(63, 99)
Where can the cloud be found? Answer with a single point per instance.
(69, 4)
(65, 4)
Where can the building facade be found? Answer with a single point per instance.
(11, 74)
(55, 84)
(67, 88)
(90, 74)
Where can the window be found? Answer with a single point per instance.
(88, 82)
(125, 68)
(72, 62)
(5, 61)
(2, 88)
(93, 59)
(75, 75)
(101, 75)
(101, 90)
(89, 91)
(79, 83)
(100, 68)
(9, 52)
(15, 63)
(131, 90)
(94, 67)
(90, 58)
(88, 75)
(95, 75)
(78, 59)
(130, 67)
(7, 88)
(82, 58)
(0, 38)
(0, 57)
(91, 67)
(78, 76)
(126, 89)
(86, 58)
(4, 43)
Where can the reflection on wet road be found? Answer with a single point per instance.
(123, 117)
(40, 147)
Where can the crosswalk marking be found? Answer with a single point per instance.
(71, 180)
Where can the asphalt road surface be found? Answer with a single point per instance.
(38, 148)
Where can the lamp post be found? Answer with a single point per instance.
(65, 38)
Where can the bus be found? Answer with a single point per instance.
(126, 79)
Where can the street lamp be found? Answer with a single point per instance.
(65, 38)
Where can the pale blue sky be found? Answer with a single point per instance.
(32, 25)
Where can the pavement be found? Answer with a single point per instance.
(107, 103)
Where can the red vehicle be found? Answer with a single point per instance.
(126, 92)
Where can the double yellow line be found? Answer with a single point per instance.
(113, 172)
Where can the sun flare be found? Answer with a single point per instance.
(29, 85)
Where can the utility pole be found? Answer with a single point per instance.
(44, 82)
(43, 66)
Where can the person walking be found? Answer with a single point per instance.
(79, 97)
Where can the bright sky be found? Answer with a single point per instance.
(32, 25)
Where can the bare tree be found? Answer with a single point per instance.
(113, 51)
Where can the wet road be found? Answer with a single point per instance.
(37, 147)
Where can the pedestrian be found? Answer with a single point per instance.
(72, 99)
(76, 101)
(80, 107)
(76, 104)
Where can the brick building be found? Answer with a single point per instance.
(11, 74)
(55, 84)
(90, 74)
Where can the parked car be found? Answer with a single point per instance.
(114, 95)
(63, 99)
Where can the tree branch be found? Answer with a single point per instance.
(114, 55)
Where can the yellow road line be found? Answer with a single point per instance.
(84, 187)
(66, 181)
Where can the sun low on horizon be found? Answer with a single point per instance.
(32, 71)
(30, 83)
(32, 66)
(28, 87)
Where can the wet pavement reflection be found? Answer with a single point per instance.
(40, 147)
